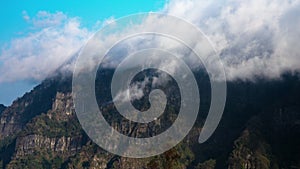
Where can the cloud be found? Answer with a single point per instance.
(109, 20)
(254, 38)
(57, 38)
(25, 15)
(46, 19)
(134, 92)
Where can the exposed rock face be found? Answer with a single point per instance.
(53, 132)
(39, 100)
(64, 145)
(62, 111)
(62, 108)
(10, 121)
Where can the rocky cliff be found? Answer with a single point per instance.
(22, 110)
(260, 128)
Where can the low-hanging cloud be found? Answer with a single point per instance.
(254, 38)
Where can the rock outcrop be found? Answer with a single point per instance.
(62, 145)
(14, 118)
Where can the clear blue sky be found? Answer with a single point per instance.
(13, 24)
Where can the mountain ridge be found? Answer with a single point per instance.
(41, 130)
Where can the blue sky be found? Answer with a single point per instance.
(14, 25)
(89, 12)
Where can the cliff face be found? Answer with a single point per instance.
(260, 129)
(62, 107)
(51, 135)
(56, 135)
(27, 145)
(29, 142)
(22, 110)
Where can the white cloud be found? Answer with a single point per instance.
(46, 19)
(57, 38)
(255, 37)
(134, 92)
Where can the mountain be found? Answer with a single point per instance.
(260, 128)
(2, 107)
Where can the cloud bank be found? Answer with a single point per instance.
(254, 38)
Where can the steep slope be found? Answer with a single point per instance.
(2, 107)
(22, 110)
(260, 128)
